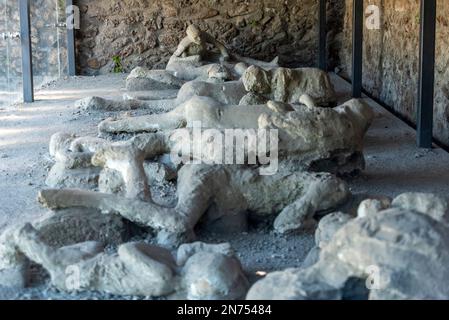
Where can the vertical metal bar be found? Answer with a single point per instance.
(357, 48)
(71, 52)
(27, 60)
(322, 35)
(426, 74)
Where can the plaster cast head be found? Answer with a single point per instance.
(217, 71)
(194, 34)
(240, 68)
(257, 80)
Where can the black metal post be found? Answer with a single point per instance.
(322, 35)
(27, 60)
(71, 53)
(357, 48)
(426, 74)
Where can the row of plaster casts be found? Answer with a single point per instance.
(307, 136)
(256, 86)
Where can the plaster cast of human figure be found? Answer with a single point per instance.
(229, 92)
(233, 191)
(195, 43)
(196, 107)
(137, 269)
(256, 86)
(212, 114)
(288, 85)
(178, 72)
(322, 139)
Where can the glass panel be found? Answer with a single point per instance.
(49, 39)
(10, 53)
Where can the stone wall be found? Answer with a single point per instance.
(146, 32)
(391, 59)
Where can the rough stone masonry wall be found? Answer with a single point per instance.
(146, 32)
(391, 59)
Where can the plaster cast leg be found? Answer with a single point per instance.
(88, 144)
(101, 104)
(253, 62)
(150, 123)
(97, 103)
(143, 213)
(130, 166)
(55, 261)
(321, 195)
(196, 190)
(128, 158)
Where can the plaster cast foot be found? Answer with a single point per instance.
(55, 261)
(322, 195)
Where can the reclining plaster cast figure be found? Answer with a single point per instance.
(201, 272)
(256, 86)
(320, 133)
(396, 251)
(287, 85)
(190, 109)
(142, 79)
(217, 194)
(230, 92)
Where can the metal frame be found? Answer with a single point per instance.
(27, 60)
(71, 51)
(357, 48)
(27, 53)
(322, 45)
(426, 74)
